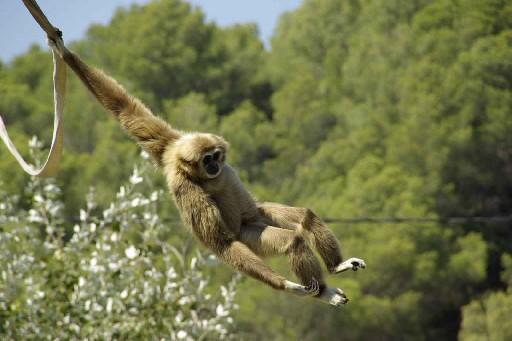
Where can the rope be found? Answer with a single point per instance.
(51, 164)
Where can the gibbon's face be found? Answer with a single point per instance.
(212, 162)
(203, 155)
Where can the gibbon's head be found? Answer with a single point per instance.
(201, 155)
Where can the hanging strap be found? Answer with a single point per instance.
(51, 164)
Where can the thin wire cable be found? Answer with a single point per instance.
(405, 220)
(438, 220)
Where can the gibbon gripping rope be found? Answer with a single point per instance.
(51, 164)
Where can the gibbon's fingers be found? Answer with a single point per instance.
(57, 45)
(351, 263)
(313, 289)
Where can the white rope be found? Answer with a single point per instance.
(51, 165)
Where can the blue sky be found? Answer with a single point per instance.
(18, 30)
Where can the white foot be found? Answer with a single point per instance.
(333, 296)
(312, 289)
(351, 263)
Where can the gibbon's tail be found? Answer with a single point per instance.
(152, 133)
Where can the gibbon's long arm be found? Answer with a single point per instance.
(201, 213)
(152, 133)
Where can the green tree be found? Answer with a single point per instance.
(488, 318)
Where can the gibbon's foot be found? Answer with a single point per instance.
(351, 263)
(333, 296)
(313, 289)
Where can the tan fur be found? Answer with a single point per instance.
(217, 208)
(152, 133)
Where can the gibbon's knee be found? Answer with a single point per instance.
(310, 220)
(313, 226)
(324, 239)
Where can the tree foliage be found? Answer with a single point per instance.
(360, 108)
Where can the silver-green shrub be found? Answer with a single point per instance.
(98, 279)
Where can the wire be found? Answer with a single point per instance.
(402, 220)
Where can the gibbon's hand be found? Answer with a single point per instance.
(57, 45)
(313, 289)
(351, 263)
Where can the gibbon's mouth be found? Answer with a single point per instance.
(212, 169)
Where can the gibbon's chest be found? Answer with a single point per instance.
(233, 200)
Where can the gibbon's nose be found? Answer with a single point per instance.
(212, 168)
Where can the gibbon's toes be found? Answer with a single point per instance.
(339, 298)
(351, 263)
(333, 296)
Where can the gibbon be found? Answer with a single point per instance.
(214, 204)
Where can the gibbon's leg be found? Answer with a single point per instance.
(297, 218)
(265, 240)
(241, 257)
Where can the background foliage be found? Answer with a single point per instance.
(360, 108)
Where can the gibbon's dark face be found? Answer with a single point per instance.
(212, 162)
(202, 155)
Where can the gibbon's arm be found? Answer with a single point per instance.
(152, 133)
(201, 213)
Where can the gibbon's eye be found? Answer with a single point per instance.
(217, 155)
(207, 159)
